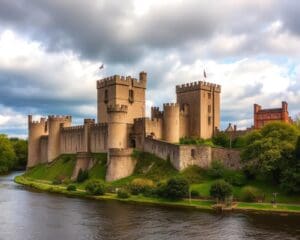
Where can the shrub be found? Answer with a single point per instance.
(221, 139)
(235, 178)
(220, 190)
(195, 193)
(176, 188)
(71, 187)
(216, 170)
(122, 193)
(82, 175)
(56, 181)
(95, 187)
(193, 174)
(140, 185)
(250, 194)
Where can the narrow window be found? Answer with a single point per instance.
(209, 109)
(131, 96)
(209, 95)
(193, 153)
(209, 120)
(106, 96)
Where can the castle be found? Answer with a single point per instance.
(265, 116)
(122, 126)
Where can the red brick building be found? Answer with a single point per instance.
(265, 116)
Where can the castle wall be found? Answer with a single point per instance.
(182, 156)
(55, 125)
(98, 138)
(36, 129)
(171, 123)
(72, 140)
(184, 122)
(122, 91)
(44, 149)
(84, 161)
(120, 163)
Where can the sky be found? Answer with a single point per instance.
(51, 50)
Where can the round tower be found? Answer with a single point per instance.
(117, 126)
(171, 122)
(36, 129)
(55, 123)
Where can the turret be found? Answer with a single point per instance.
(55, 125)
(36, 129)
(171, 123)
(117, 126)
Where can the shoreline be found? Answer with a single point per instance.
(197, 204)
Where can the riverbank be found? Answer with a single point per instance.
(44, 185)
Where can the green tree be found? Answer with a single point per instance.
(271, 150)
(7, 155)
(176, 188)
(221, 139)
(20, 148)
(220, 190)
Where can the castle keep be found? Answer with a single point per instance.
(122, 126)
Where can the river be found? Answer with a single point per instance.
(32, 215)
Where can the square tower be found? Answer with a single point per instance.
(203, 100)
(120, 90)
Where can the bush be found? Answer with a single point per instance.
(250, 194)
(220, 190)
(82, 175)
(193, 174)
(176, 188)
(235, 178)
(71, 187)
(216, 170)
(195, 193)
(95, 187)
(221, 139)
(122, 193)
(56, 181)
(140, 185)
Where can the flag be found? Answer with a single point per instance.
(102, 66)
(204, 73)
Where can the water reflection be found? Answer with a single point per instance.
(34, 215)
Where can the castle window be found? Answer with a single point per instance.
(209, 120)
(193, 153)
(106, 96)
(131, 96)
(209, 95)
(209, 109)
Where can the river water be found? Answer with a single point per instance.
(30, 215)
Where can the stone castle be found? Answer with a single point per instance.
(122, 126)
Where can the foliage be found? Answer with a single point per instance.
(141, 185)
(176, 188)
(57, 181)
(123, 193)
(195, 141)
(21, 151)
(220, 190)
(271, 150)
(82, 175)
(235, 178)
(221, 139)
(71, 187)
(7, 155)
(250, 194)
(193, 174)
(95, 187)
(291, 179)
(216, 169)
(195, 193)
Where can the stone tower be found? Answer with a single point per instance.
(36, 129)
(117, 126)
(171, 122)
(120, 90)
(54, 126)
(203, 101)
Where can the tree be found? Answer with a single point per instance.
(7, 155)
(220, 190)
(221, 139)
(95, 187)
(271, 150)
(176, 188)
(20, 148)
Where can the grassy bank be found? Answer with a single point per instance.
(45, 185)
(150, 167)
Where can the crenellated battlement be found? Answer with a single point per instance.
(89, 121)
(99, 125)
(73, 128)
(170, 105)
(156, 113)
(60, 118)
(197, 86)
(42, 121)
(123, 80)
(117, 108)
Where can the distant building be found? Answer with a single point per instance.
(265, 116)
